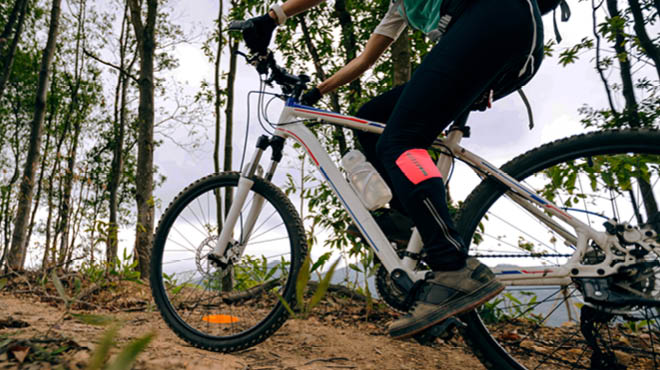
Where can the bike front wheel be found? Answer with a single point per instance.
(593, 177)
(232, 306)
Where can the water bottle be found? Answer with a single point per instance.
(367, 183)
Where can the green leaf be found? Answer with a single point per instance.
(103, 348)
(323, 285)
(128, 354)
(286, 305)
(302, 280)
(59, 287)
(98, 320)
(3, 283)
(321, 261)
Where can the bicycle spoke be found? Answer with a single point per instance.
(222, 300)
(589, 188)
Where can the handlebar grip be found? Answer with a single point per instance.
(240, 25)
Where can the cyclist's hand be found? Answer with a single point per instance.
(311, 97)
(257, 33)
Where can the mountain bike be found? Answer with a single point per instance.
(569, 227)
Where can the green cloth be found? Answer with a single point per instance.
(423, 15)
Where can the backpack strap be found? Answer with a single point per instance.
(451, 10)
(565, 16)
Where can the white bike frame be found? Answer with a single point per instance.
(290, 126)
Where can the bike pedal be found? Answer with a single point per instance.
(442, 330)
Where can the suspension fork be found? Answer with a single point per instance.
(245, 184)
(277, 144)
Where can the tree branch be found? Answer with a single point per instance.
(644, 40)
(599, 68)
(623, 57)
(120, 69)
(334, 96)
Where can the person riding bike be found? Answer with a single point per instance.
(485, 48)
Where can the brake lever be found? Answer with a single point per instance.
(261, 62)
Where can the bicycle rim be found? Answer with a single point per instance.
(236, 305)
(594, 177)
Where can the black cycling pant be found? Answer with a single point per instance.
(486, 48)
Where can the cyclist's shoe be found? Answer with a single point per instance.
(396, 226)
(446, 294)
(257, 32)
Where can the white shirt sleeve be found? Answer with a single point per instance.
(393, 23)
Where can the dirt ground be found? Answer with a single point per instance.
(321, 342)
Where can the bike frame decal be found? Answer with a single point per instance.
(348, 208)
(311, 110)
(291, 118)
(417, 166)
(303, 144)
(327, 178)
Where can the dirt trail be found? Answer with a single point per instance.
(316, 343)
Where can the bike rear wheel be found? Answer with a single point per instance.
(594, 176)
(237, 305)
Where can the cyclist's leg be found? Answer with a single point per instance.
(491, 39)
(486, 42)
(378, 109)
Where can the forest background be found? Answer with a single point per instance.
(109, 108)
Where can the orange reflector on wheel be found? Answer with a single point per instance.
(221, 319)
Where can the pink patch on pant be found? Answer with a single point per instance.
(417, 165)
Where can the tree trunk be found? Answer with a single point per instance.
(77, 216)
(18, 247)
(229, 114)
(228, 279)
(49, 221)
(218, 96)
(145, 34)
(401, 68)
(644, 40)
(348, 42)
(599, 67)
(334, 96)
(15, 11)
(42, 171)
(218, 105)
(7, 191)
(118, 148)
(65, 210)
(77, 115)
(625, 68)
(7, 61)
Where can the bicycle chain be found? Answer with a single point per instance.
(533, 255)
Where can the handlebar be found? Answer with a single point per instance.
(292, 85)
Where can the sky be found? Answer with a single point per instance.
(556, 93)
(499, 134)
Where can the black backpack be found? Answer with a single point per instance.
(547, 5)
(551, 5)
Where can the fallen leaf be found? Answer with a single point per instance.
(510, 336)
(20, 352)
(623, 358)
(90, 319)
(569, 324)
